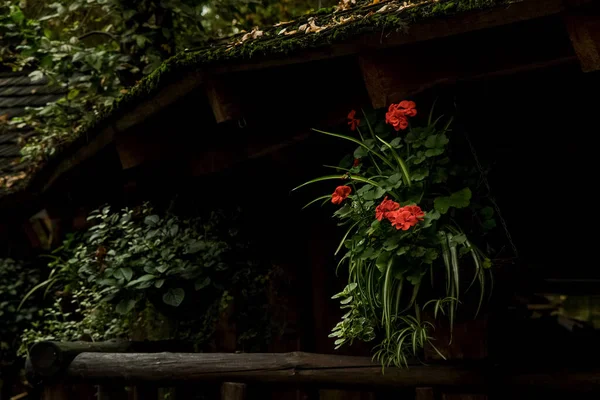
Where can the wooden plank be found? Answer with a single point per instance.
(584, 32)
(317, 370)
(233, 391)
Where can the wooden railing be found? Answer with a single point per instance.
(115, 364)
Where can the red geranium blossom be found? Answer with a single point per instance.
(397, 114)
(397, 120)
(340, 194)
(353, 122)
(386, 206)
(408, 108)
(406, 217)
(416, 211)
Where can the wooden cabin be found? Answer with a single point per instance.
(231, 123)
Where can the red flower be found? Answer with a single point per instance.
(353, 122)
(397, 114)
(386, 206)
(340, 194)
(356, 162)
(397, 120)
(406, 217)
(415, 211)
(408, 108)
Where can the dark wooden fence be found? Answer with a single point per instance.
(65, 366)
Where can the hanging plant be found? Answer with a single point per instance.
(400, 201)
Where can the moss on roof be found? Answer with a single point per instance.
(363, 18)
(320, 29)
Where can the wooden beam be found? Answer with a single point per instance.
(392, 75)
(283, 368)
(78, 153)
(47, 358)
(584, 32)
(316, 370)
(223, 97)
(434, 28)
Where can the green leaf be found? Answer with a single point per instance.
(437, 141)
(200, 284)
(434, 152)
(382, 260)
(360, 152)
(73, 93)
(141, 279)
(460, 199)
(396, 143)
(486, 212)
(16, 14)
(196, 247)
(489, 224)
(125, 306)
(151, 220)
(123, 273)
(402, 250)
(158, 284)
(174, 297)
(419, 174)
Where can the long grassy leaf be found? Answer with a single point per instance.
(398, 295)
(334, 167)
(325, 197)
(344, 238)
(32, 291)
(360, 143)
(400, 161)
(386, 297)
(338, 177)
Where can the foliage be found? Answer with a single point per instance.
(136, 273)
(402, 211)
(15, 279)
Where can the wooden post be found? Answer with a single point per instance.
(584, 31)
(233, 391)
(424, 393)
(145, 392)
(57, 391)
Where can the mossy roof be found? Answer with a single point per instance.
(320, 29)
